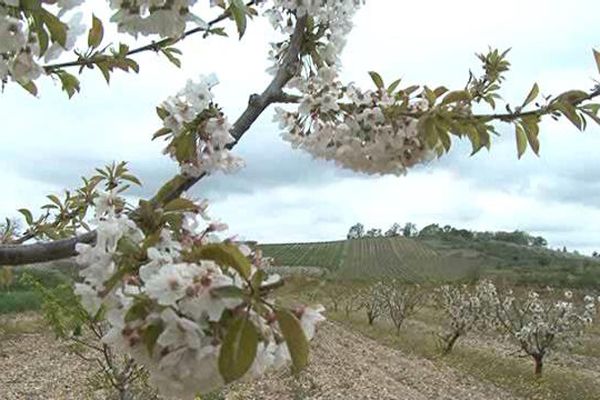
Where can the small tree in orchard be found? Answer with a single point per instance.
(352, 302)
(192, 306)
(401, 301)
(373, 301)
(538, 325)
(335, 296)
(463, 311)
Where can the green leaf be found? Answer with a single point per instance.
(377, 79)
(53, 198)
(131, 178)
(96, 33)
(393, 86)
(30, 87)
(173, 59)
(257, 280)
(572, 96)
(180, 205)
(570, 112)
(238, 349)
(473, 136)
(58, 30)
(444, 138)
(438, 91)
(427, 130)
(532, 129)
(70, 83)
(238, 11)
(161, 132)
(294, 337)
(41, 33)
(224, 254)
(225, 292)
(162, 113)
(105, 69)
(521, 140)
(456, 96)
(138, 310)
(27, 214)
(597, 58)
(185, 147)
(533, 93)
(150, 335)
(168, 188)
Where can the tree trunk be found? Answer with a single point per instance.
(371, 318)
(538, 359)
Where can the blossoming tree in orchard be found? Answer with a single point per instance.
(463, 312)
(537, 324)
(195, 309)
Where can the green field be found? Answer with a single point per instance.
(416, 260)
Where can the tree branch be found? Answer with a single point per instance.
(154, 46)
(256, 105)
(60, 249)
(41, 252)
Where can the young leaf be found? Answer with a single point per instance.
(173, 59)
(597, 58)
(161, 132)
(105, 69)
(533, 93)
(150, 335)
(393, 86)
(180, 204)
(570, 112)
(70, 83)
(27, 214)
(238, 349)
(96, 33)
(532, 129)
(30, 87)
(162, 113)
(377, 79)
(521, 140)
(224, 254)
(456, 96)
(294, 338)
(58, 30)
(131, 178)
(238, 11)
(226, 292)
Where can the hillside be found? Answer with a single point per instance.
(418, 260)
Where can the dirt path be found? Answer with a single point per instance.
(344, 365)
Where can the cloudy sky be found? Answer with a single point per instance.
(283, 195)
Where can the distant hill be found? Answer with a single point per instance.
(419, 260)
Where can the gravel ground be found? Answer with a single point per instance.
(344, 365)
(36, 366)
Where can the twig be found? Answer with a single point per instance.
(154, 46)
